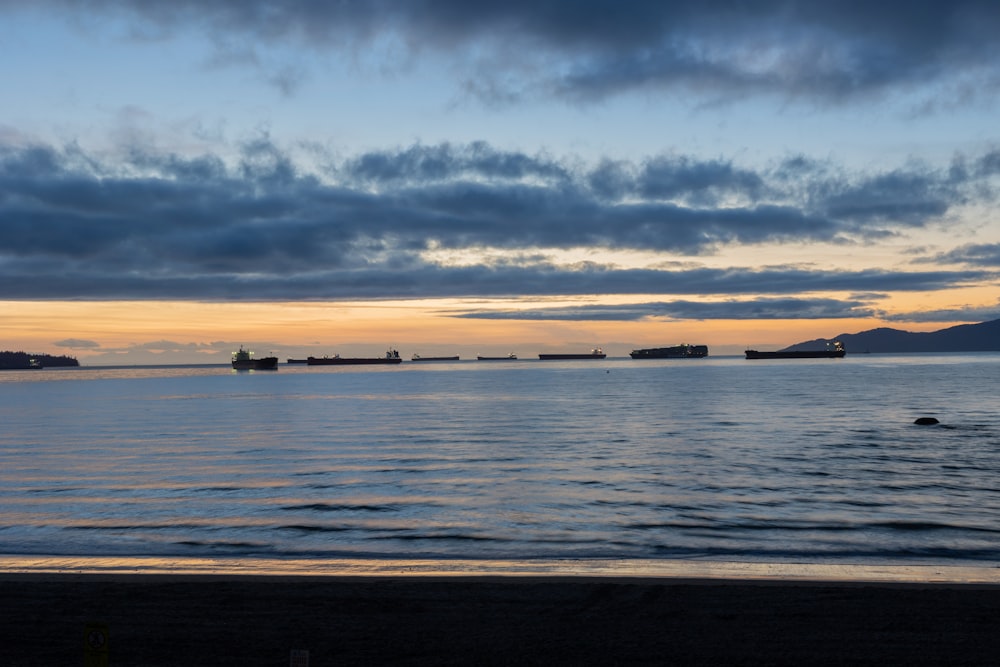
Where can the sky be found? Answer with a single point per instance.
(442, 177)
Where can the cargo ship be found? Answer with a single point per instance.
(833, 351)
(596, 353)
(243, 360)
(683, 351)
(417, 357)
(509, 357)
(391, 357)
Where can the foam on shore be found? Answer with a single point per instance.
(610, 568)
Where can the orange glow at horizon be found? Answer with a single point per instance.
(88, 329)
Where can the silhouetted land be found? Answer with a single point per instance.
(983, 337)
(16, 360)
(164, 620)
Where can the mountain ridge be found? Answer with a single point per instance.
(981, 337)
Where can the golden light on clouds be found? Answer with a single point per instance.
(183, 332)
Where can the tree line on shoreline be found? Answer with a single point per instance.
(19, 360)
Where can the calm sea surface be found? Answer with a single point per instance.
(717, 459)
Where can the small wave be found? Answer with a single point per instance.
(59, 489)
(854, 502)
(330, 507)
(312, 528)
(238, 546)
(853, 555)
(137, 526)
(729, 526)
(932, 526)
(456, 537)
(619, 503)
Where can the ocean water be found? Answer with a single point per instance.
(807, 461)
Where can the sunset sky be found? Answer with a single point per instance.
(309, 177)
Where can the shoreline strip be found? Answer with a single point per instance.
(708, 571)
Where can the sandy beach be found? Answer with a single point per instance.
(231, 619)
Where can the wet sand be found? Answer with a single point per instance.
(232, 619)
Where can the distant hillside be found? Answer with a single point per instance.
(15, 360)
(983, 337)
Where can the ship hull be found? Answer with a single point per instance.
(262, 364)
(562, 357)
(672, 352)
(813, 354)
(245, 361)
(351, 361)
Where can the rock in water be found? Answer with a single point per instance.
(926, 421)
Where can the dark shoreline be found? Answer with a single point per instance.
(486, 620)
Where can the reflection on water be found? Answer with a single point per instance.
(719, 459)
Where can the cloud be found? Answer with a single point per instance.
(158, 351)
(826, 53)
(156, 225)
(77, 344)
(419, 164)
(958, 314)
(985, 254)
(162, 346)
(750, 309)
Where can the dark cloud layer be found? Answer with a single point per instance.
(968, 314)
(750, 309)
(986, 255)
(153, 225)
(505, 51)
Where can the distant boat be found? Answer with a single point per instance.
(417, 357)
(683, 351)
(243, 360)
(833, 351)
(596, 353)
(391, 357)
(295, 361)
(32, 364)
(509, 357)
